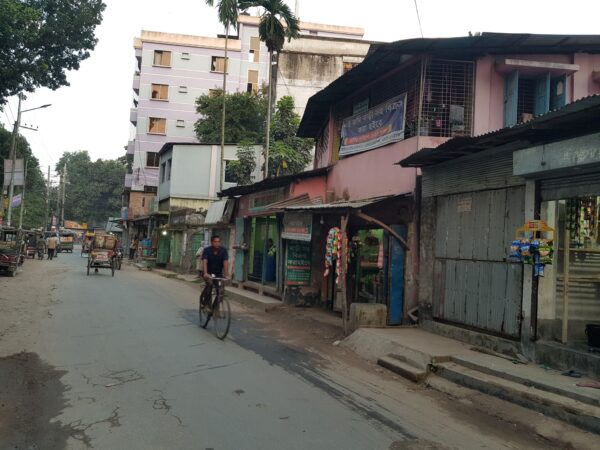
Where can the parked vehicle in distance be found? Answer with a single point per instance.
(11, 250)
(67, 240)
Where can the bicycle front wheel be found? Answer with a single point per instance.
(222, 318)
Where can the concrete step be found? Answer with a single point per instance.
(403, 368)
(260, 302)
(531, 376)
(575, 412)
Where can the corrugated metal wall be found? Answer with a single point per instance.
(473, 285)
(472, 174)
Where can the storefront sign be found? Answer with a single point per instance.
(298, 263)
(297, 226)
(379, 126)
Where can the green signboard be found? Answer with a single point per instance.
(298, 263)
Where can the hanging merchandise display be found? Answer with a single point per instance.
(534, 245)
(582, 221)
(333, 252)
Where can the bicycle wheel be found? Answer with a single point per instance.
(204, 314)
(222, 317)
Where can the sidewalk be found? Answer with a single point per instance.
(248, 298)
(422, 356)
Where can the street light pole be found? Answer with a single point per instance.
(13, 158)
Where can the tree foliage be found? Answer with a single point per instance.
(94, 188)
(277, 22)
(41, 39)
(289, 154)
(242, 169)
(35, 189)
(245, 118)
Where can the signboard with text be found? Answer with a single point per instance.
(380, 125)
(18, 173)
(298, 263)
(297, 226)
(16, 201)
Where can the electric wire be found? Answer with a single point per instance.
(418, 18)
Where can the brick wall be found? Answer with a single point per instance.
(140, 204)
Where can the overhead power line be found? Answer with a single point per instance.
(418, 18)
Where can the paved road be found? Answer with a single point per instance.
(125, 366)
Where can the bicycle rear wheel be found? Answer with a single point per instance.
(222, 317)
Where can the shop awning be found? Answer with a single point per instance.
(215, 212)
(354, 207)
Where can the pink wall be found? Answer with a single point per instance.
(375, 173)
(314, 187)
(582, 83)
(489, 97)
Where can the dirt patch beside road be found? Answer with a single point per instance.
(31, 394)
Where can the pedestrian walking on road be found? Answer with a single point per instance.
(51, 245)
(199, 261)
(132, 248)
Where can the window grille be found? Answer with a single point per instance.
(525, 99)
(447, 104)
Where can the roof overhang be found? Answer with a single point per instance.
(383, 58)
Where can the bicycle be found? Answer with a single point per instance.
(218, 309)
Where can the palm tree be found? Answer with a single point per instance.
(228, 11)
(277, 22)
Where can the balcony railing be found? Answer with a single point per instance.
(131, 147)
(128, 180)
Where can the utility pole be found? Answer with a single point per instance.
(47, 202)
(64, 188)
(13, 158)
(58, 191)
(23, 196)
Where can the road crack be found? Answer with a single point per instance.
(160, 403)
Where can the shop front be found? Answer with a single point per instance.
(257, 234)
(568, 201)
(376, 235)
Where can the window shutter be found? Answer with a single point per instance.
(511, 94)
(542, 95)
(558, 92)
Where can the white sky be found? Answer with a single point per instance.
(93, 112)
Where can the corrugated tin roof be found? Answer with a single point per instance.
(575, 119)
(385, 57)
(300, 200)
(344, 204)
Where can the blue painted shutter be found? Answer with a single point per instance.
(558, 92)
(511, 95)
(396, 297)
(542, 95)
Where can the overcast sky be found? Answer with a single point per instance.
(93, 112)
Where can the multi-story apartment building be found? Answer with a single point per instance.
(173, 70)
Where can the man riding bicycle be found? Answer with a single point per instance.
(215, 263)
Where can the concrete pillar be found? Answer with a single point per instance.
(426, 259)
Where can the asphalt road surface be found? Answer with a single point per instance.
(120, 363)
